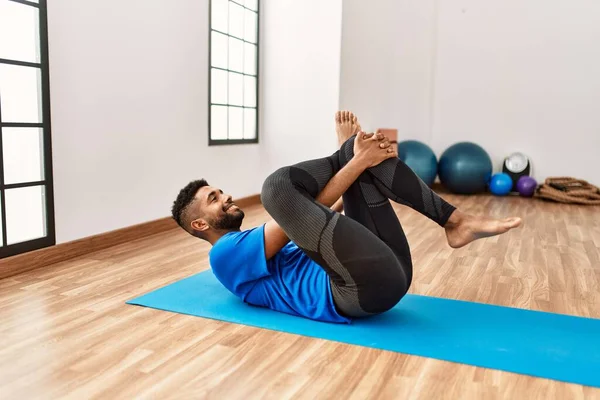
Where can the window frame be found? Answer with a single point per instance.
(48, 182)
(219, 142)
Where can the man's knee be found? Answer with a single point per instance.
(283, 185)
(273, 187)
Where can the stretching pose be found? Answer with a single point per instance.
(310, 260)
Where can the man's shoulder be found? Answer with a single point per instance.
(238, 257)
(236, 237)
(247, 237)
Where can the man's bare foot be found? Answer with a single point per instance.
(346, 125)
(462, 229)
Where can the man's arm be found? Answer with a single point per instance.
(276, 238)
(338, 206)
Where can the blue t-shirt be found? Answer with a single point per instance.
(289, 282)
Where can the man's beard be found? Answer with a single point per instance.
(229, 221)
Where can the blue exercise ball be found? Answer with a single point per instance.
(420, 158)
(465, 168)
(501, 184)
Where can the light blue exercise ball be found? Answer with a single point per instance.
(501, 184)
(465, 168)
(420, 158)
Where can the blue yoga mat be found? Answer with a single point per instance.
(534, 343)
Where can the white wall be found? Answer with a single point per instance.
(300, 80)
(386, 66)
(129, 87)
(521, 75)
(507, 74)
(129, 92)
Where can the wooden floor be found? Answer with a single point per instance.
(66, 331)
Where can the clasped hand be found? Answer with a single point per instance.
(373, 148)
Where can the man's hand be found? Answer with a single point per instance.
(371, 149)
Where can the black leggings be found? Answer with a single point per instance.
(365, 252)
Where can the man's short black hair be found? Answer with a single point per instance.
(183, 205)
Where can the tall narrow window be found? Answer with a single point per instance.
(26, 193)
(233, 94)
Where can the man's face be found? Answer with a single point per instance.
(219, 212)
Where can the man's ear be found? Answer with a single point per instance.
(199, 225)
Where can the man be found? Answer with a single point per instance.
(310, 260)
